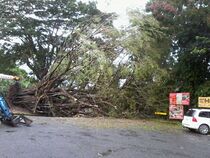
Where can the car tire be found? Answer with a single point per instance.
(203, 129)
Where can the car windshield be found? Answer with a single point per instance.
(190, 112)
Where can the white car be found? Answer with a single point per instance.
(197, 119)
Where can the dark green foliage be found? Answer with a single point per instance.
(35, 31)
(145, 72)
(190, 36)
(7, 62)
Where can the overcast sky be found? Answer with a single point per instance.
(120, 7)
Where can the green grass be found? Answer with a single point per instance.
(163, 125)
(146, 124)
(112, 123)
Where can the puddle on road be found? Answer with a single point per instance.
(10, 131)
(110, 151)
(106, 153)
(32, 139)
(159, 140)
(43, 123)
(86, 134)
(129, 133)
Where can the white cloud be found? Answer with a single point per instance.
(120, 7)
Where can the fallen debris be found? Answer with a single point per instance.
(60, 102)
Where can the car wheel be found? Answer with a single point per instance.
(203, 129)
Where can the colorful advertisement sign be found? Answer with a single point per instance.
(177, 101)
(176, 112)
(179, 98)
(204, 102)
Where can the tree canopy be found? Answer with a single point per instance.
(188, 23)
(35, 31)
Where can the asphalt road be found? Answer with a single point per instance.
(65, 139)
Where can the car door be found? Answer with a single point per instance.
(204, 118)
(208, 119)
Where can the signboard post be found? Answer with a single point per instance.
(176, 103)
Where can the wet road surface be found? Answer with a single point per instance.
(55, 139)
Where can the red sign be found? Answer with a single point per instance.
(179, 98)
(176, 112)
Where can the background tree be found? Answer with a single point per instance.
(188, 23)
(34, 31)
(144, 70)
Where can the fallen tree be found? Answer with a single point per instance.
(49, 96)
(60, 102)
